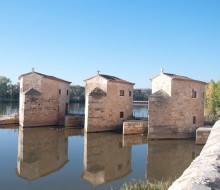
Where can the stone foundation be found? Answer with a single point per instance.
(135, 127)
(170, 132)
(202, 134)
(74, 121)
(9, 119)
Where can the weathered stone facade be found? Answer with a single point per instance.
(176, 106)
(43, 100)
(109, 101)
(202, 134)
(74, 121)
(135, 127)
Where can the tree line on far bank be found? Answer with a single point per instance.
(10, 92)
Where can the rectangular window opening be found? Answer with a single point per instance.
(130, 93)
(122, 92)
(121, 114)
(194, 94)
(67, 92)
(59, 91)
(67, 108)
(194, 119)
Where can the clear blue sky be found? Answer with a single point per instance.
(130, 39)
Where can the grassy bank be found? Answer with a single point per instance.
(140, 185)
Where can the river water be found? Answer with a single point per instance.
(75, 108)
(57, 159)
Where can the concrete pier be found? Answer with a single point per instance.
(9, 119)
(135, 127)
(202, 134)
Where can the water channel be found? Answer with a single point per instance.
(54, 159)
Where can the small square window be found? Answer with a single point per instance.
(194, 119)
(121, 114)
(194, 94)
(122, 92)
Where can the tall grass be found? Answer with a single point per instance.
(140, 185)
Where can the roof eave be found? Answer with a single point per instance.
(45, 76)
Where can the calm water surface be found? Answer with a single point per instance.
(48, 158)
(58, 159)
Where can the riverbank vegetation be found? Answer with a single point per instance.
(212, 100)
(142, 94)
(8, 92)
(77, 93)
(140, 185)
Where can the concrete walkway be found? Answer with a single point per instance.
(204, 171)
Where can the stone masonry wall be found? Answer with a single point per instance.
(102, 112)
(161, 82)
(179, 115)
(48, 107)
(184, 107)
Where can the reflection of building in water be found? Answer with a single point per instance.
(41, 151)
(130, 140)
(168, 159)
(105, 159)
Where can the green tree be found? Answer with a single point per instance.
(142, 94)
(5, 84)
(211, 103)
(14, 92)
(77, 93)
(217, 95)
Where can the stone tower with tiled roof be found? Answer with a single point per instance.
(109, 101)
(43, 101)
(176, 106)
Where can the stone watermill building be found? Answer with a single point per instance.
(44, 100)
(109, 101)
(176, 106)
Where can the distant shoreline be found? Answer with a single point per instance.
(8, 100)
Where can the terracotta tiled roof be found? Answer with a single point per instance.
(179, 77)
(111, 78)
(46, 76)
